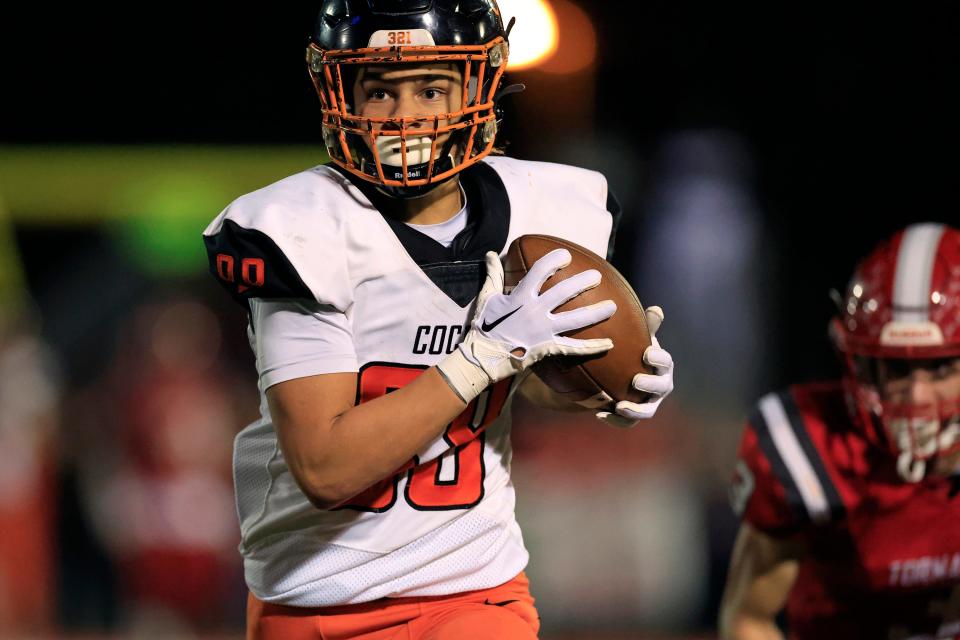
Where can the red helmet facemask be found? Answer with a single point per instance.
(901, 318)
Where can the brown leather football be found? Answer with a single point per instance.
(595, 381)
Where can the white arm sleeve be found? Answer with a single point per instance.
(297, 338)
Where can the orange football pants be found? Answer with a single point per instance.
(501, 613)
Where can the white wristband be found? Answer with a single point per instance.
(465, 378)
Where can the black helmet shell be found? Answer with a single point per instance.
(348, 24)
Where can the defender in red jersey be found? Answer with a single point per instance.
(848, 491)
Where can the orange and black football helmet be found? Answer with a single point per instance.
(408, 156)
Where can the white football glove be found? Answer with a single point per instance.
(509, 333)
(658, 385)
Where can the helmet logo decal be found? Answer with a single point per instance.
(911, 334)
(405, 38)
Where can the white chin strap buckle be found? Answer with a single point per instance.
(918, 439)
(910, 468)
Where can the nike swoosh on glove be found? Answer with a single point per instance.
(510, 332)
(658, 385)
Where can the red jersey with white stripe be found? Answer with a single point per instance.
(882, 555)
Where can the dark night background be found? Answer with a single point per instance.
(847, 112)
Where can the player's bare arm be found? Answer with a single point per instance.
(534, 390)
(335, 450)
(763, 570)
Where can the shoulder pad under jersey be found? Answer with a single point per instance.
(560, 200)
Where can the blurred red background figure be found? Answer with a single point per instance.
(166, 507)
(29, 418)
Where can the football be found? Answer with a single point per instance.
(593, 381)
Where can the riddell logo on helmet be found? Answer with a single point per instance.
(909, 334)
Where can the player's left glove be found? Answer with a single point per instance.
(511, 331)
(658, 385)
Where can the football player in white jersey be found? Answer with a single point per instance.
(374, 493)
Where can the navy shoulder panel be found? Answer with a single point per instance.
(249, 264)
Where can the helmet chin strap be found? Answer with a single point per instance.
(413, 171)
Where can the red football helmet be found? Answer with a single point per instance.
(901, 315)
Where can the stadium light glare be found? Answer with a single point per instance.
(535, 35)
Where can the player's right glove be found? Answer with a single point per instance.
(510, 332)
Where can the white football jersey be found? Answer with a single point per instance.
(444, 523)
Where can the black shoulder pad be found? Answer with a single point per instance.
(249, 264)
(613, 206)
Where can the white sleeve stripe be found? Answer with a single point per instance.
(911, 284)
(802, 472)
